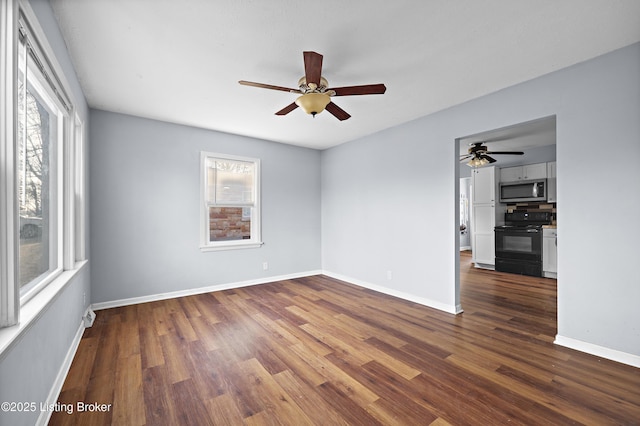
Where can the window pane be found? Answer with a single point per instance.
(233, 182)
(229, 223)
(35, 148)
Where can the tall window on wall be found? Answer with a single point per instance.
(39, 148)
(39, 164)
(230, 202)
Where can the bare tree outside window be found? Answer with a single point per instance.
(34, 178)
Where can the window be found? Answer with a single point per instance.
(38, 147)
(230, 202)
(40, 166)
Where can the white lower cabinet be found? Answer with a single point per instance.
(550, 252)
(483, 234)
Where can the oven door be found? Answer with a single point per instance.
(519, 243)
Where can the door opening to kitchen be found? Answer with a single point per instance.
(508, 223)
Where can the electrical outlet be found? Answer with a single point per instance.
(389, 275)
(84, 298)
(265, 266)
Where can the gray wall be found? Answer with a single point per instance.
(145, 186)
(398, 209)
(29, 367)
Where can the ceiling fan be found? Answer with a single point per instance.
(478, 155)
(315, 91)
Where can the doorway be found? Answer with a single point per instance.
(536, 139)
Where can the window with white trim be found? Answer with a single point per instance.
(230, 202)
(40, 164)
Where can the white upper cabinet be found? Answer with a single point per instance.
(526, 172)
(484, 187)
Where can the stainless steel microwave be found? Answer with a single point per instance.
(523, 191)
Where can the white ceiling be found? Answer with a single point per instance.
(180, 61)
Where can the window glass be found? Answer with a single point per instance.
(39, 138)
(231, 201)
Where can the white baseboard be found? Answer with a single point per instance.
(200, 290)
(52, 398)
(599, 351)
(451, 309)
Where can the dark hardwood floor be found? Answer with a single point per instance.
(319, 351)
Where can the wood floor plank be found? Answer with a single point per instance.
(128, 398)
(191, 410)
(299, 365)
(177, 366)
(550, 400)
(158, 402)
(316, 350)
(183, 327)
(278, 403)
(150, 347)
(307, 399)
(224, 411)
(304, 338)
(346, 384)
(205, 333)
(79, 376)
(367, 331)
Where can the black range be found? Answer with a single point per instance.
(519, 243)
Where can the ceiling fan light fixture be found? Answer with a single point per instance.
(477, 162)
(313, 103)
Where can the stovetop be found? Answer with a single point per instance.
(520, 226)
(521, 219)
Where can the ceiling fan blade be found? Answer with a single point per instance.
(338, 112)
(506, 152)
(465, 157)
(312, 67)
(489, 159)
(286, 110)
(268, 86)
(367, 89)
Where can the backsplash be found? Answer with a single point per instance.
(534, 207)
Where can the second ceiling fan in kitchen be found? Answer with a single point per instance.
(478, 154)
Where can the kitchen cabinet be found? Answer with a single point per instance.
(485, 212)
(550, 252)
(551, 182)
(483, 235)
(484, 185)
(525, 172)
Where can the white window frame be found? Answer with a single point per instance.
(9, 290)
(58, 216)
(256, 235)
(77, 203)
(18, 311)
